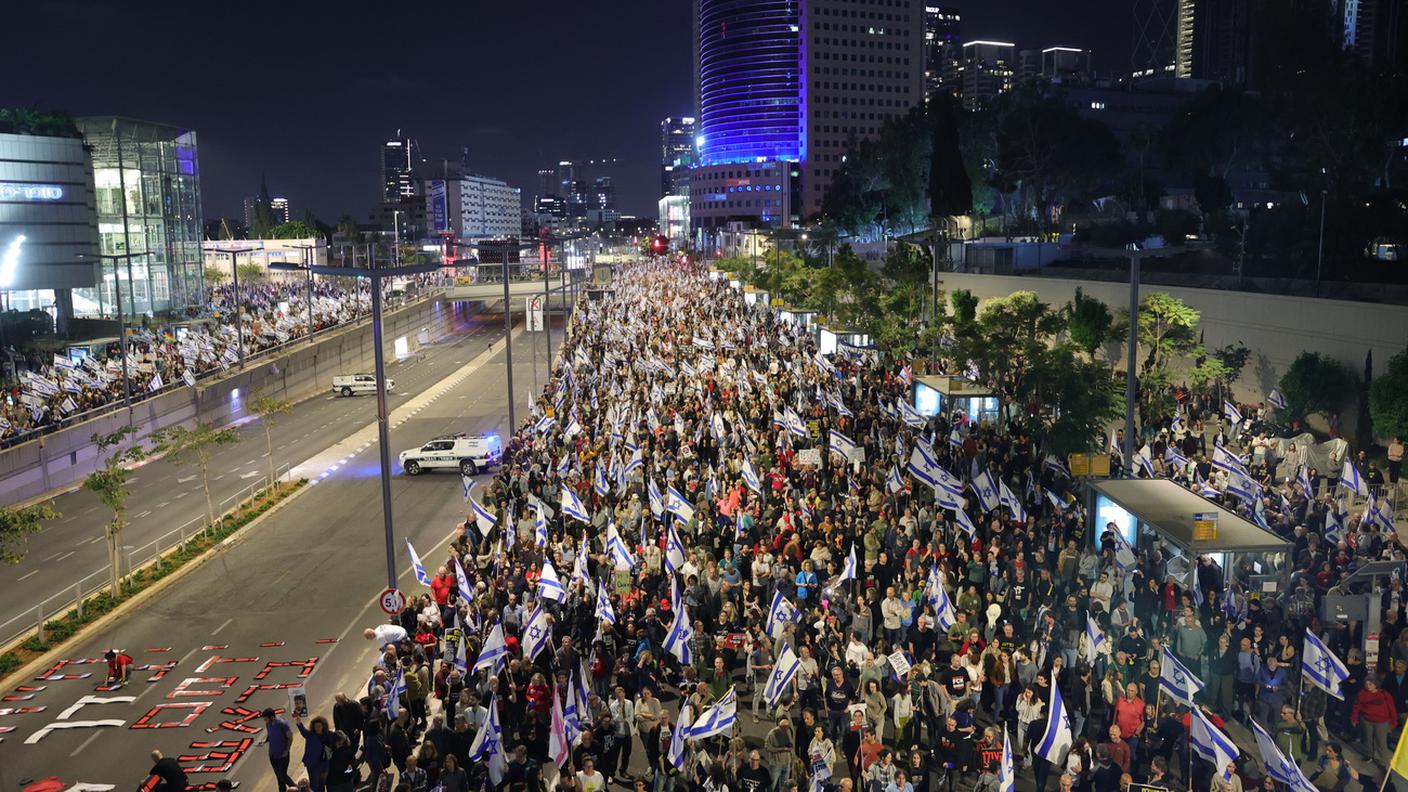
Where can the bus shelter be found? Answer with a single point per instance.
(1160, 514)
(941, 393)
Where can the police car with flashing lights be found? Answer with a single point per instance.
(468, 454)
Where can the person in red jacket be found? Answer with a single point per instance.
(119, 667)
(1375, 714)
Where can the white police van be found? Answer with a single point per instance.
(348, 384)
(465, 453)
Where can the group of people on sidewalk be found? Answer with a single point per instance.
(715, 558)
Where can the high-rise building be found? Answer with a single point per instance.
(1376, 32)
(942, 49)
(399, 159)
(676, 154)
(784, 87)
(987, 70)
(472, 207)
(147, 178)
(250, 202)
(547, 182)
(279, 208)
(1213, 40)
(603, 194)
(1154, 26)
(1065, 64)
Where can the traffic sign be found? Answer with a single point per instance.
(535, 314)
(392, 601)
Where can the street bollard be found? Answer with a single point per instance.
(78, 598)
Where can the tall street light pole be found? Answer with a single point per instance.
(239, 303)
(309, 249)
(121, 324)
(376, 274)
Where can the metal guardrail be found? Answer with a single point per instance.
(112, 407)
(131, 560)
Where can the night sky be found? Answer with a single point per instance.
(304, 91)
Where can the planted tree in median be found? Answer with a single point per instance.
(267, 408)
(1088, 322)
(109, 482)
(17, 524)
(1316, 384)
(195, 446)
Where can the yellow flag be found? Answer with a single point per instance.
(1399, 764)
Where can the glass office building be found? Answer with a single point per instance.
(147, 180)
(751, 101)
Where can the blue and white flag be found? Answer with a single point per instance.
(955, 439)
(494, 655)
(944, 615)
(657, 501)
(1175, 459)
(676, 504)
(544, 424)
(604, 611)
(718, 719)
(1209, 742)
(564, 464)
(780, 614)
(1321, 667)
(782, 673)
(1207, 490)
(675, 754)
(1124, 553)
(894, 482)
(572, 506)
(674, 550)
(750, 476)
(467, 484)
(416, 566)
(549, 585)
(681, 631)
(1056, 738)
(537, 633)
(965, 522)
(848, 572)
(1176, 680)
(1234, 415)
(1283, 770)
(1222, 459)
(636, 462)
(620, 554)
(795, 425)
(1006, 775)
(488, 744)
(461, 662)
(841, 444)
(1144, 459)
(484, 518)
(911, 417)
(574, 428)
(600, 484)
(540, 525)
(986, 490)
(1012, 502)
(393, 696)
(1276, 399)
(1055, 465)
(1350, 478)
(466, 590)
(1095, 638)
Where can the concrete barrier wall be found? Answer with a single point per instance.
(1275, 328)
(63, 458)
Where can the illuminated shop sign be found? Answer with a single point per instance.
(11, 191)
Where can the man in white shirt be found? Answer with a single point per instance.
(385, 635)
(588, 779)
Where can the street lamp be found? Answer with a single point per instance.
(239, 307)
(121, 320)
(309, 249)
(376, 274)
(1137, 253)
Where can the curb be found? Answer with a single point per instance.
(54, 653)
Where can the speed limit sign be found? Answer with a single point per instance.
(392, 601)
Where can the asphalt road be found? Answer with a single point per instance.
(282, 593)
(166, 496)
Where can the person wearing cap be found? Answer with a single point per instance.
(278, 735)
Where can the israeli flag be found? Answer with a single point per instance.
(393, 696)
(600, 483)
(494, 655)
(564, 464)
(674, 550)
(537, 633)
(603, 605)
(1234, 415)
(1006, 776)
(1207, 490)
(781, 613)
(483, 516)
(416, 566)
(795, 425)
(986, 490)
(620, 554)
(1095, 637)
(488, 744)
(466, 590)
(636, 462)
(549, 585)
(544, 424)
(657, 501)
(1012, 502)
(1210, 743)
(1176, 680)
(1222, 459)
(893, 481)
(718, 719)
(840, 444)
(1280, 768)
(1350, 478)
(1175, 459)
(681, 631)
(944, 616)
(1322, 667)
(848, 572)
(750, 476)
(1145, 461)
(468, 484)
(961, 517)
(782, 673)
(572, 506)
(676, 752)
(1124, 553)
(1055, 465)
(1056, 738)
(540, 527)
(676, 504)
(955, 439)
(580, 569)
(574, 428)
(189, 378)
(910, 416)
(1276, 399)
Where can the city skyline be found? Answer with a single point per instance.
(580, 96)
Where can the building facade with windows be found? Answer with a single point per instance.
(147, 185)
(676, 154)
(942, 49)
(473, 207)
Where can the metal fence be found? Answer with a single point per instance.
(130, 560)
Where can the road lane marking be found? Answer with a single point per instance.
(217, 630)
(29, 573)
(65, 555)
(143, 514)
(85, 743)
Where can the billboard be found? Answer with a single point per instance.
(438, 203)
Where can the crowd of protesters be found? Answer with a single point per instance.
(53, 389)
(700, 495)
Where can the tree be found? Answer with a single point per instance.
(965, 306)
(1010, 334)
(17, 524)
(1088, 322)
(295, 229)
(109, 483)
(1074, 400)
(195, 446)
(1388, 398)
(250, 272)
(1168, 328)
(1316, 384)
(216, 276)
(267, 408)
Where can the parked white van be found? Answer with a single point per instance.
(348, 384)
